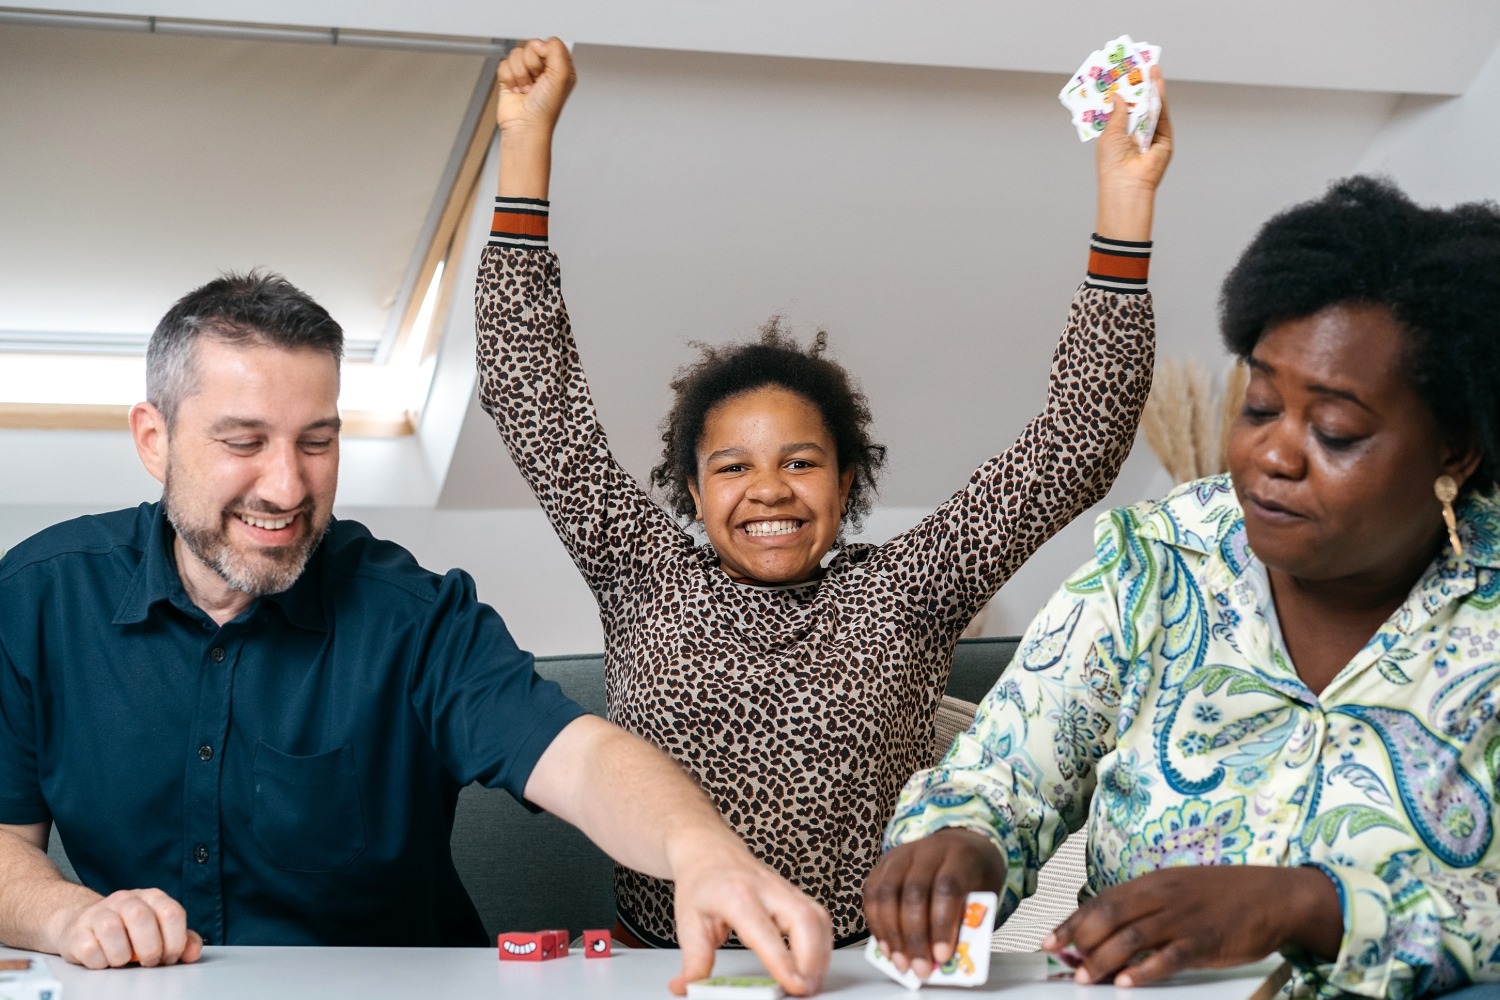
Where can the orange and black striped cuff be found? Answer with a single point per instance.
(520, 222)
(1118, 265)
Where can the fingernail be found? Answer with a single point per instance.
(1050, 942)
(1082, 976)
(1124, 980)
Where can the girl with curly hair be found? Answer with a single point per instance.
(798, 687)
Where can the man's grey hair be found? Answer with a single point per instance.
(259, 307)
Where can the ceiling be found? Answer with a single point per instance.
(1393, 46)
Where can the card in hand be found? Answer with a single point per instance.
(1119, 71)
(970, 963)
(1061, 964)
(734, 988)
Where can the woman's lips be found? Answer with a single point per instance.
(1271, 510)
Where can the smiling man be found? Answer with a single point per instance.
(250, 720)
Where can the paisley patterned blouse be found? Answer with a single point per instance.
(1153, 699)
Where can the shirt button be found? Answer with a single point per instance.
(205, 752)
(217, 653)
(200, 854)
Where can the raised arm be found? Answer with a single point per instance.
(42, 911)
(531, 380)
(1067, 457)
(535, 81)
(644, 811)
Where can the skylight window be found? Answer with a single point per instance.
(142, 162)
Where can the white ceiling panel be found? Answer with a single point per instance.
(1395, 46)
(134, 167)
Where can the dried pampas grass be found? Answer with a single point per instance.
(1187, 418)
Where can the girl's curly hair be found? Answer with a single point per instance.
(776, 359)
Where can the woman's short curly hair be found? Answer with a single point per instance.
(1436, 270)
(776, 359)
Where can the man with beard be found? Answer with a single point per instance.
(249, 721)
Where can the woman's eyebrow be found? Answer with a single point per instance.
(1319, 388)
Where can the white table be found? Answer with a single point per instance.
(248, 973)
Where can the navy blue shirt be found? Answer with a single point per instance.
(290, 777)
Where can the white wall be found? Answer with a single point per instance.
(1444, 151)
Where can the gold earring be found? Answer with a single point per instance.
(1447, 492)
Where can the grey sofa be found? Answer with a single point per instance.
(529, 871)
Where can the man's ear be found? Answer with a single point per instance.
(148, 428)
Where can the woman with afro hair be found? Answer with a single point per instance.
(799, 689)
(1271, 698)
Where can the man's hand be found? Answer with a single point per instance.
(914, 899)
(42, 911)
(648, 814)
(731, 890)
(1200, 917)
(132, 925)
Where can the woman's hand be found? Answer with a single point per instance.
(914, 899)
(1128, 176)
(1200, 917)
(535, 81)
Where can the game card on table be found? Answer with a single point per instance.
(970, 963)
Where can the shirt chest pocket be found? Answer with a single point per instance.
(307, 814)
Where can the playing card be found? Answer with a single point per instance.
(970, 964)
(882, 961)
(1060, 964)
(734, 988)
(1120, 71)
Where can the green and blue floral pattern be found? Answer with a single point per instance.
(1153, 701)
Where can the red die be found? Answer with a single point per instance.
(596, 944)
(562, 943)
(527, 946)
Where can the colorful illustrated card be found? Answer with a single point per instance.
(734, 988)
(28, 979)
(1061, 964)
(1121, 71)
(970, 964)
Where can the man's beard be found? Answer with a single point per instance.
(271, 570)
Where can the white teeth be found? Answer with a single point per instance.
(772, 527)
(260, 522)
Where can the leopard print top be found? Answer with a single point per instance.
(801, 710)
